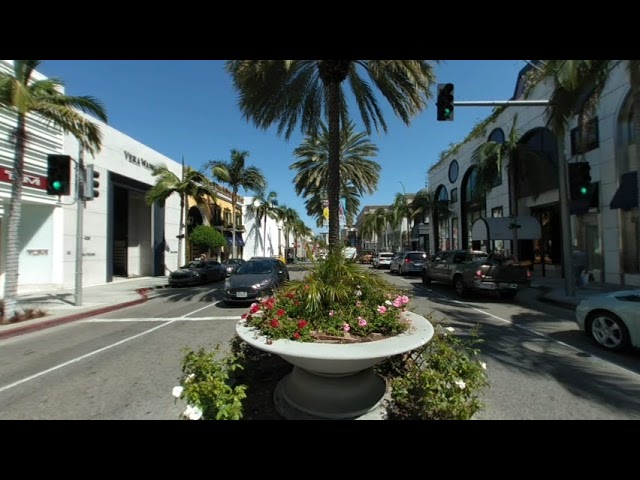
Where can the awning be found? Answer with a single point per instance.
(229, 236)
(497, 228)
(626, 197)
(239, 240)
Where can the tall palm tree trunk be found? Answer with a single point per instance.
(333, 186)
(264, 240)
(634, 80)
(181, 233)
(234, 196)
(13, 225)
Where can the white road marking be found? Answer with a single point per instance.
(100, 350)
(528, 330)
(159, 319)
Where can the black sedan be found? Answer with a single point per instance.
(255, 278)
(197, 272)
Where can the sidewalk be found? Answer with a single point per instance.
(96, 300)
(553, 291)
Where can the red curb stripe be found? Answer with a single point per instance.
(76, 316)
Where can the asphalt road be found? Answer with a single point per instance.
(123, 365)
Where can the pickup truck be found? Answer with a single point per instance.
(473, 270)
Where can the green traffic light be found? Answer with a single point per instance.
(57, 185)
(447, 112)
(583, 190)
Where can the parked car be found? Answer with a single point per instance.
(382, 260)
(407, 263)
(255, 278)
(476, 270)
(232, 264)
(611, 319)
(366, 256)
(197, 272)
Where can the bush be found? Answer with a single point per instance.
(207, 237)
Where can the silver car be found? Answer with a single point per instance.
(611, 319)
(382, 260)
(408, 263)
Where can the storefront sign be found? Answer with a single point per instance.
(141, 162)
(28, 179)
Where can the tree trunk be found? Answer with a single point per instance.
(333, 184)
(181, 232)
(634, 80)
(234, 196)
(13, 225)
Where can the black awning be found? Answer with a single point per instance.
(626, 197)
(239, 240)
(229, 236)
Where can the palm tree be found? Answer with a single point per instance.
(193, 184)
(23, 96)
(315, 204)
(265, 206)
(289, 217)
(305, 92)
(403, 208)
(235, 174)
(300, 229)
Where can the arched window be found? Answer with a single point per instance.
(441, 219)
(497, 136)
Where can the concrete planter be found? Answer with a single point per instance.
(335, 381)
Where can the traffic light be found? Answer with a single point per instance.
(91, 183)
(58, 174)
(445, 102)
(579, 180)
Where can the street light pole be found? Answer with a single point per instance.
(79, 226)
(404, 193)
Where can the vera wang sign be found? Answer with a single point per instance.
(141, 162)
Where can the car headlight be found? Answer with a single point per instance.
(227, 284)
(261, 284)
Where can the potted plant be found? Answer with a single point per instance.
(334, 326)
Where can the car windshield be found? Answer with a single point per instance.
(255, 268)
(386, 255)
(193, 265)
(233, 261)
(417, 257)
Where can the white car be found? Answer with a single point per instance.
(382, 260)
(611, 319)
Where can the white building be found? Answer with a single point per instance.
(122, 236)
(605, 226)
(258, 240)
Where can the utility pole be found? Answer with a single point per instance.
(565, 218)
(79, 226)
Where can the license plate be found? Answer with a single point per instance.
(241, 294)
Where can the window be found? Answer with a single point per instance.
(454, 195)
(227, 217)
(497, 136)
(454, 232)
(497, 244)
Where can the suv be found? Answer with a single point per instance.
(408, 263)
(382, 260)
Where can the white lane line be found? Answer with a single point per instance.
(100, 350)
(528, 330)
(159, 319)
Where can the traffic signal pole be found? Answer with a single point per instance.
(563, 187)
(79, 226)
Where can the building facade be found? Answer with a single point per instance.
(604, 225)
(121, 235)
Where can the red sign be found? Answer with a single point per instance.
(28, 179)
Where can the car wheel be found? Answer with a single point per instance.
(458, 283)
(609, 331)
(426, 279)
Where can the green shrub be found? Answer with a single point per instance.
(207, 237)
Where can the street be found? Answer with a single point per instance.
(123, 365)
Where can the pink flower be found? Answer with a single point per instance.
(404, 299)
(346, 327)
(362, 322)
(358, 304)
(331, 313)
(397, 302)
(244, 315)
(254, 308)
(382, 309)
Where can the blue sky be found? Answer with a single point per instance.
(188, 107)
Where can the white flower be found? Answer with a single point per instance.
(192, 413)
(461, 384)
(190, 377)
(482, 364)
(450, 329)
(177, 391)
(388, 302)
(358, 293)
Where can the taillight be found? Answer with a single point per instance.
(479, 274)
(528, 273)
(406, 260)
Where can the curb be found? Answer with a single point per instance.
(556, 303)
(143, 292)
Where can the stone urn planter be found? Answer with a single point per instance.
(335, 381)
